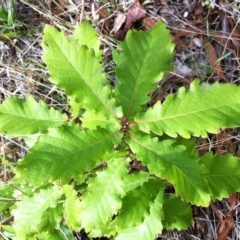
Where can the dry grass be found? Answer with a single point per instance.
(202, 36)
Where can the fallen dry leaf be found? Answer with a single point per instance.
(102, 12)
(62, 3)
(163, 2)
(185, 32)
(221, 142)
(183, 70)
(213, 58)
(118, 22)
(134, 13)
(226, 226)
(235, 38)
(198, 11)
(149, 22)
(233, 200)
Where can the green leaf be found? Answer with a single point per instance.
(32, 139)
(50, 220)
(29, 212)
(177, 214)
(3, 15)
(203, 108)
(102, 198)
(62, 234)
(65, 153)
(173, 163)
(21, 117)
(54, 235)
(77, 71)
(190, 145)
(8, 232)
(141, 214)
(82, 164)
(6, 196)
(223, 174)
(72, 208)
(134, 180)
(141, 61)
(136, 204)
(92, 119)
(85, 34)
(67, 233)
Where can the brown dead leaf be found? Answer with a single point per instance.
(149, 22)
(226, 226)
(203, 147)
(62, 3)
(198, 11)
(163, 92)
(59, 12)
(232, 43)
(102, 12)
(233, 200)
(215, 210)
(185, 32)
(134, 13)
(118, 22)
(213, 58)
(221, 139)
(63, 8)
(163, 2)
(231, 39)
(235, 38)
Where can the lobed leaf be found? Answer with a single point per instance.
(72, 208)
(65, 153)
(174, 163)
(85, 34)
(203, 108)
(22, 117)
(141, 214)
(102, 198)
(51, 219)
(55, 235)
(136, 204)
(140, 62)
(92, 119)
(29, 212)
(134, 180)
(6, 197)
(177, 214)
(223, 174)
(77, 71)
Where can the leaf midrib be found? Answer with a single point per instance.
(137, 81)
(33, 119)
(97, 95)
(196, 187)
(111, 187)
(181, 115)
(87, 146)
